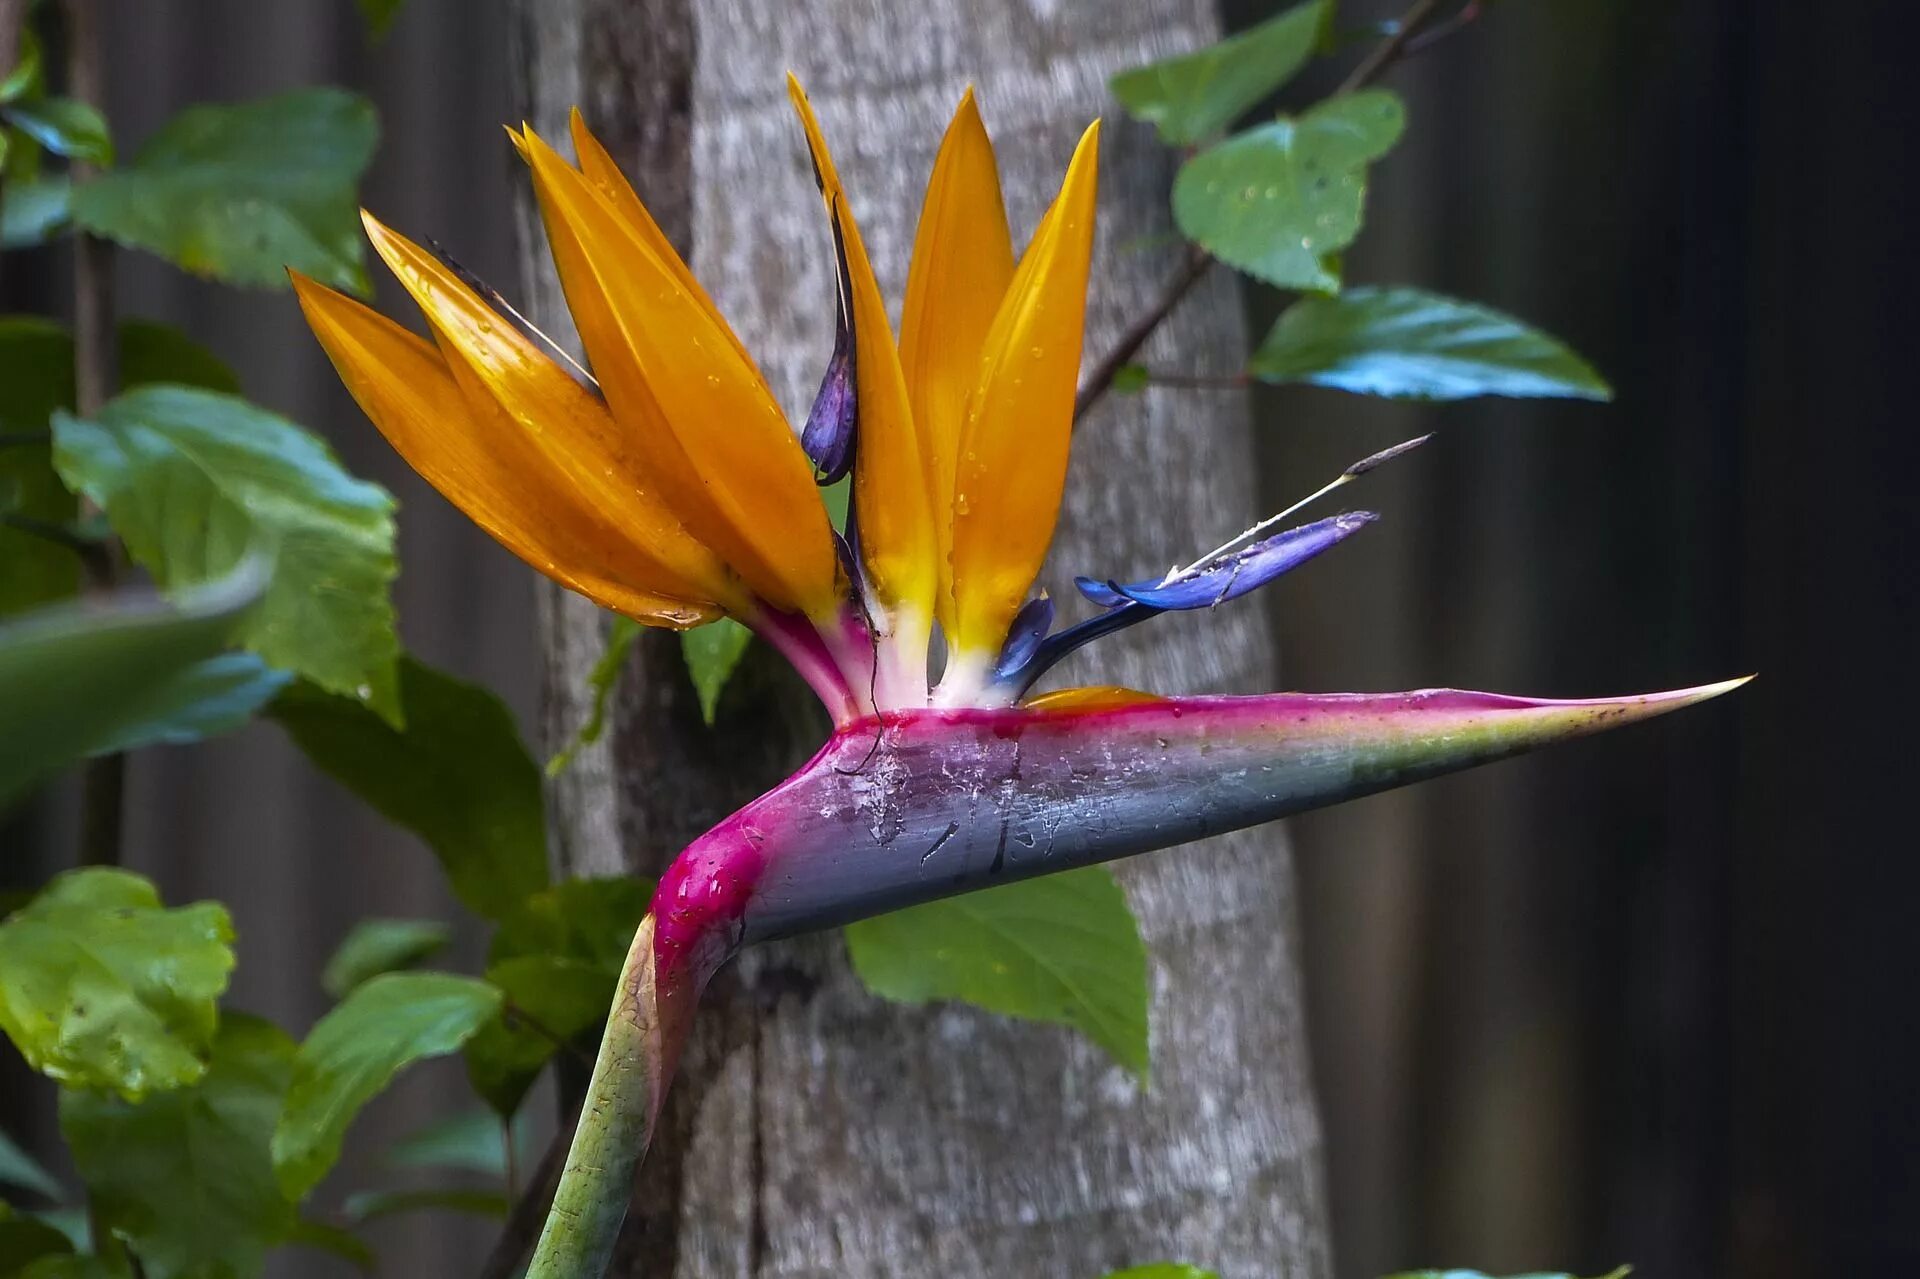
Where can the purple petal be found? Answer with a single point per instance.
(1236, 573)
(832, 424)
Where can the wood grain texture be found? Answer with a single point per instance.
(817, 1131)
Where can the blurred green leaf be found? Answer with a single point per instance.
(101, 986)
(621, 634)
(243, 191)
(712, 652)
(1131, 378)
(186, 1176)
(24, 77)
(65, 127)
(380, 15)
(76, 1266)
(376, 946)
(18, 1169)
(558, 960)
(1408, 344)
(1164, 1270)
(1193, 96)
(457, 776)
(371, 1205)
(344, 1244)
(472, 1141)
(188, 478)
(1279, 199)
(36, 378)
(354, 1052)
(153, 353)
(24, 1241)
(78, 678)
(204, 700)
(1062, 948)
(34, 210)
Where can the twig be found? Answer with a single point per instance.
(1384, 54)
(529, 1209)
(95, 352)
(1468, 15)
(1122, 352)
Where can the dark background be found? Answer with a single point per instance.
(1647, 998)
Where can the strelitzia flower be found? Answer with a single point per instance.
(669, 486)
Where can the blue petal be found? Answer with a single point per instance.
(1234, 574)
(1029, 628)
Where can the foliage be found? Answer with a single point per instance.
(201, 1133)
(1062, 948)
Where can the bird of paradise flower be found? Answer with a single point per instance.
(667, 485)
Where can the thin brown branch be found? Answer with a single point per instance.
(1388, 51)
(529, 1211)
(1469, 14)
(95, 360)
(1129, 343)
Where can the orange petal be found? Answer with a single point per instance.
(898, 546)
(1013, 452)
(515, 389)
(600, 169)
(962, 264)
(698, 413)
(501, 482)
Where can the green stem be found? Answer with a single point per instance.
(637, 1056)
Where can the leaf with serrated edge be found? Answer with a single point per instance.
(102, 986)
(355, 1051)
(1064, 948)
(186, 1176)
(243, 191)
(190, 479)
(1281, 200)
(1410, 344)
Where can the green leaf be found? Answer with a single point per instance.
(204, 700)
(65, 127)
(378, 946)
(1193, 96)
(101, 986)
(1278, 200)
(558, 960)
(712, 652)
(1408, 344)
(380, 15)
(457, 776)
(153, 353)
(36, 379)
(344, 1244)
(76, 1266)
(17, 1168)
(621, 634)
(370, 1205)
(186, 1176)
(24, 1241)
(24, 78)
(355, 1051)
(472, 1141)
(1131, 378)
(242, 191)
(1062, 948)
(1164, 1270)
(549, 1001)
(189, 478)
(77, 678)
(34, 210)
